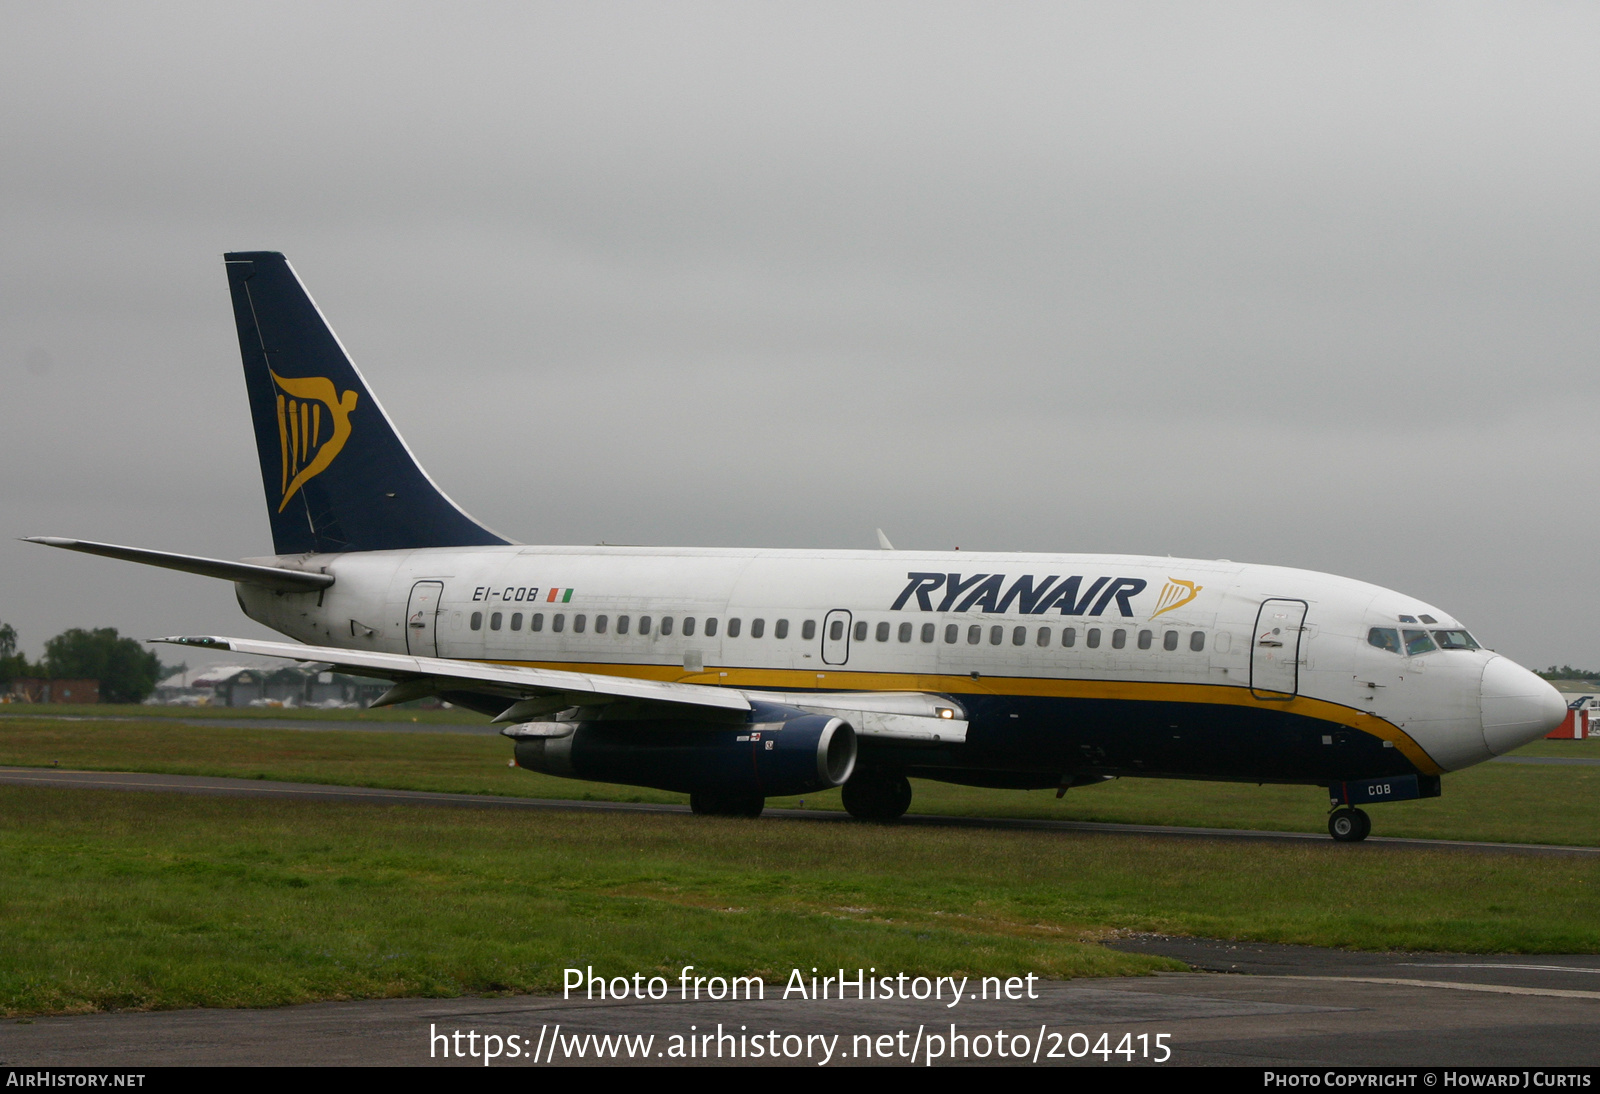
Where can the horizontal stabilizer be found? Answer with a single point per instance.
(268, 577)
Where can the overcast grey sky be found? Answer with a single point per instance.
(1305, 284)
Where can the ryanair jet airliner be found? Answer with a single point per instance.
(735, 675)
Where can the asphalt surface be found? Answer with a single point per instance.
(263, 788)
(1294, 1006)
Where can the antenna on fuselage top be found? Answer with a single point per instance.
(883, 541)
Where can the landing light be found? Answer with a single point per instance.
(946, 712)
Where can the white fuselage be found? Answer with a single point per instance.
(1193, 633)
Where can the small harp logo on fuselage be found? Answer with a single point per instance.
(307, 442)
(1175, 594)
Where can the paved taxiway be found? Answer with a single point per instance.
(1296, 1006)
(262, 788)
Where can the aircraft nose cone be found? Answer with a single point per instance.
(1518, 706)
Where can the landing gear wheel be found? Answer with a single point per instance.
(1349, 825)
(727, 805)
(877, 796)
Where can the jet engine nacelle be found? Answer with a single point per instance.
(778, 752)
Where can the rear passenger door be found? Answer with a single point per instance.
(422, 619)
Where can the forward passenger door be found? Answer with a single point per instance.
(1275, 649)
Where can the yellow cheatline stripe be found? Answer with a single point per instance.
(831, 679)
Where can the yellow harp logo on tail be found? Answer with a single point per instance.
(307, 442)
(1175, 594)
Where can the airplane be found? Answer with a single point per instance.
(735, 675)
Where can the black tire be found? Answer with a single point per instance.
(877, 796)
(1366, 824)
(1349, 825)
(727, 805)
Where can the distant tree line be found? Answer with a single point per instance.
(127, 672)
(1567, 672)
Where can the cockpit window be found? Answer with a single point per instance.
(1418, 642)
(1385, 638)
(1455, 640)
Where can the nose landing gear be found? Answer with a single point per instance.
(1349, 825)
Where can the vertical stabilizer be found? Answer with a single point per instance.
(337, 475)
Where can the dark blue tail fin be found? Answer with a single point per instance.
(337, 475)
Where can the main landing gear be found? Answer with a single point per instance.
(877, 795)
(727, 805)
(1349, 825)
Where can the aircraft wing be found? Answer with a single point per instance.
(519, 694)
(524, 693)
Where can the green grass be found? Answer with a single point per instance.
(139, 710)
(1498, 802)
(124, 900)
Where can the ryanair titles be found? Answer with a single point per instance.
(1032, 596)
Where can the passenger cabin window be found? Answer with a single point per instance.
(974, 635)
(1384, 638)
(495, 619)
(516, 621)
(558, 622)
(861, 631)
(1197, 641)
(536, 621)
(666, 626)
(1069, 636)
(579, 622)
(836, 630)
(1455, 640)
(995, 634)
(1145, 638)
(780, 629)
(1169, 640)
(883, 632)
(476, 622)
(928, 632)
(599, 624)
(951, 633)
(711, 627)
(758, 627)
(1119, 638)
(1092, 639)
(1019, 636)
(644, 624)
(1044, 636)
(733, 627)
(905, 632)
(688, 626)
(1418, 642)
(622, 624)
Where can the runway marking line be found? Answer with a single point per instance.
(1500, 989)
(1535, 968)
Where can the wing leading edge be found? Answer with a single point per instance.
(520, 687)
(520, 694)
